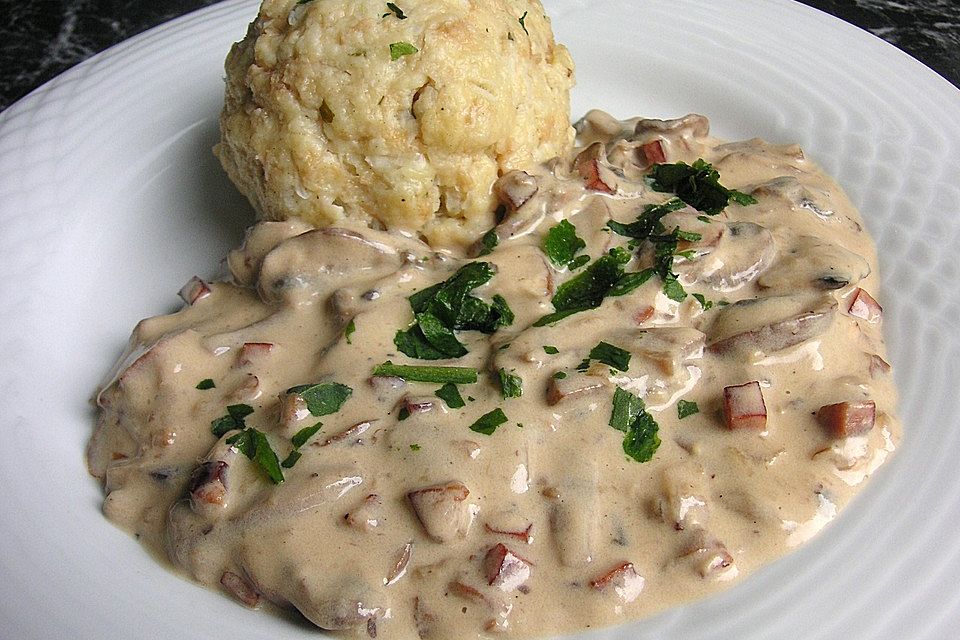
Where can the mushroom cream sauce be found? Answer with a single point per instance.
(553, 500)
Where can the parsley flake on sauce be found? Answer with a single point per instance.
(414, 447)
(489, 242)
(450, 394)
(698, 185)
(253, 443)
(561, 244)
(630, 416)
(488, 422)
(395, 10)
(521, 20)
(439, 375)
(686, 408)
(448, 306)
(349, 330)
(233, 420)
(400, 49)
(608, 354)
(324, 398)
(511, 386)
(587, 289)
(206, 383)
(550, 350)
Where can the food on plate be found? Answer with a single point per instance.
(393, 115)
(662, 369)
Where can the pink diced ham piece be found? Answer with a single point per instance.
(623, 580)
(845, 419)
(863, 306)
(505, 569)
(743, 407)
(195, 289)
(653, 152)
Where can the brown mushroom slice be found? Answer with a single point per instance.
(325, 486)
(368, 515)
(690, 126)
(575, 528)
(340, 608)
(309, 267)
(767, 325)
(668, 347)
(573, 384)
(709, 557)
(261, 238)
(790, 190)
(240, 588)
(504, 569)
(622, 580)
(814, 264)
(592, 168)
(682, 501)
(514, 188)
(743, 252)
(443, 510)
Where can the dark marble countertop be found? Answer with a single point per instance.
(42, 39)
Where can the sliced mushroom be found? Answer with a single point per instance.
(622, 580)
(504, 569)
(325, 486)
(514, 188)
(793, 192)
(591, 166)
(814, 264)
(767, 325)
(244, 263)
(743, 252)
(682, 502)
(310, 266)
(368, 515)
(443, 510)
(692, 125)
(668, 347)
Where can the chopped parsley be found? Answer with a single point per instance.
(686, 408)
(324, 398)
(403, 414)
(698, 185)
(450, 394)
(414, 447)
(630, 416)
(395, 10)
(706, 304)
(206, 383)
(587, 289)
(560, 375)
(608, 354)
(561, 244)
(301, 437)
(400, 49)
(439, 375)
(447, 306)
(549, 350)
(233, 420)
(522, 18)
(511, 386)
(348, 331)
(489, 242)
(253, 443)
(488, 422)
(291, 459)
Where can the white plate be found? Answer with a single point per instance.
(110, 199)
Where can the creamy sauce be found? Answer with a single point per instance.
(421, 527)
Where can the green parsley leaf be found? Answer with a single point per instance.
(630, 281)
(648, 220)
(412, 342)
(233, 420)
(489, 242)
(488, 422)
(291, 459)
(450, 394)
(608, 354)
(439, 375)
(522, 18)
(400, 49)
(560, 375)
(550, 350)
(706, 304)
(704, 219)
(561, 244)
(403, 414)
(511, 386)
(414, 447)
(348, 331)
(587, 289)
(324, 398)
(689, 236)
(440, 336)
(629, 415)
(206, 383)
(578, 262)
(698, 185)
(395, 10)
(673, 289)
(626, 408)
(253, 443)
(301, 437)
(686, 408)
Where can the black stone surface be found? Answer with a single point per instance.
(43, 38)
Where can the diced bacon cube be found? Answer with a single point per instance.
(443, 510)
(653, 152)
(505, 569)
(195, 289)
(845, 419)
(710, 557)
(252, 351)
(588, 166)
(743, 407)
(515, 188)
(863, 306)
(208, 483)
(622, 580)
